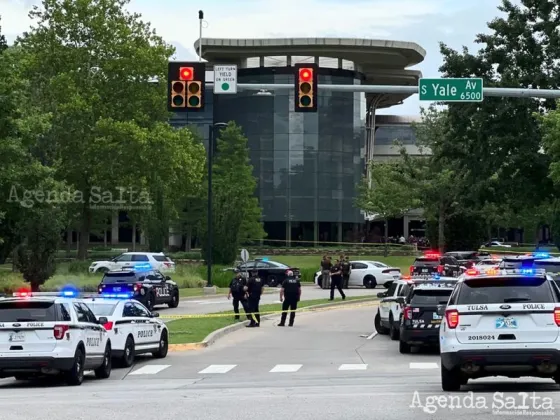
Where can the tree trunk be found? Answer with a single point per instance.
(489, 231)
(188, 239)
(34, 286)
(68, 242)
(386, 251)
(84, 232)
(133, 236)
(105, 238)
(441, 231)
(537, 234)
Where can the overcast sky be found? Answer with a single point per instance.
(425, 22)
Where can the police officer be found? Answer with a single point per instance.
(326, 267)
(336, 280)
(237, 291)
(346, 270)
(254, 289)
(290, 294)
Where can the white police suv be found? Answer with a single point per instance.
(52, 334)
(500, 323)
(132, 328)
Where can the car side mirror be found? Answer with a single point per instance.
(441, 310)
(167, 278)
(102, 320)
(155, 314)
(382, 295)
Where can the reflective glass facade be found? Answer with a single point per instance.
(386, 135)
(307, 165)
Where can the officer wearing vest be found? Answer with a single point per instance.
(346, 270)
(237, 291)
(290, 294)
(254, 289)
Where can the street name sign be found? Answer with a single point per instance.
(451, 90)
(225, 79)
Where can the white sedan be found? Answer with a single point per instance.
(368, 274)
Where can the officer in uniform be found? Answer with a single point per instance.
(237, 291)
(336, 280)
(254, 289)
(290, 294)
(346, 270)
(326, 267)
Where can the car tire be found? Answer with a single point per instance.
(378, 327)
(174, 299)
(450, 379)
(163, 346)
(393, 332)
(129, 354)
(404, 347)
(370, 282)
(102, 270)
(104, 371)
(272, 281)
(22, 377)
(75, 376)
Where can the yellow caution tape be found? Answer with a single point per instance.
(305, 309)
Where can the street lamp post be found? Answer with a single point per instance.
(210, 228)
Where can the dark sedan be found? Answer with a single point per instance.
(272, 272)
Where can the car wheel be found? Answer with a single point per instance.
(370, 282)
(163, 346)
(450, 379)
(75, 376)
(174, 300)
(102, 270)
(104, 371)
(129, 352)
(378, 327)
(404, 348)
(393, 332)
(272, 281)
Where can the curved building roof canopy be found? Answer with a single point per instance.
(382, 62)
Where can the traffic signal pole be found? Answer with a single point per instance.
(409, 90)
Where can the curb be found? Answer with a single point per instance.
(215, 335)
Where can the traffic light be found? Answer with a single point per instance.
(186, 82)
(306, 87)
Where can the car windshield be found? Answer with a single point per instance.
(516, 263)
(488, 262)
(548, 266)
(277, 264)
(124, 277)
(505, 290)
(102, 309)
(430, 297)
(426, 261)
(25, 311)
(378, 264)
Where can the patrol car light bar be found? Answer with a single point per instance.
(506, 271)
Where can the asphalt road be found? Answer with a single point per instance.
(323, 368)
(207, 305)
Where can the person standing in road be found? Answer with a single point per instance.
(326, 267)
(336, 280)
(346, 270)
(254, 290)
(237, 291)
(290, 294)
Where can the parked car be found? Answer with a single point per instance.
(157, 261)
(368, 274)
(272, 272)
(468, 258)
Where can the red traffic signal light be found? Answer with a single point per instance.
(186, 73)
(306, 87)
(305, 74)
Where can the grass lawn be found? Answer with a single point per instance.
(313, 261)
(194, 330)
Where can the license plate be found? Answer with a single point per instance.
(396, 277)
(117, 289)
(436, 316)
(17, 337)
(506, 323)
(424, 270)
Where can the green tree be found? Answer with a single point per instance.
(384, 195)
(3, 42)
(96, 65)
(236, 211)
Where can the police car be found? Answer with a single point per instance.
(52, 334)
(132, 328)
(419, 324)
(500, 323)
(141, 282)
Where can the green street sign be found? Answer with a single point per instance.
(451, 90)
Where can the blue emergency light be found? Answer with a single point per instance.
(541, 255)
(143, 267)
(117, 295)
(437, 277)
(265, 259)
(69, 291)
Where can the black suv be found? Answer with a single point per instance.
(435, 263)
(467, 258)
(420, 321)
(273, 273)
(149, 287)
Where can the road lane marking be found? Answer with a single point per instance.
(371, 336)
(149, 370)
(424, 366)
(285, 368)
(218, 369)
(353, 367)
